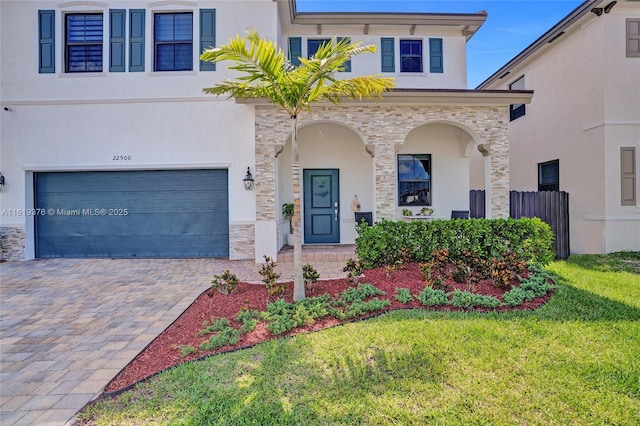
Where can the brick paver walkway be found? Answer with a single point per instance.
(67, 326)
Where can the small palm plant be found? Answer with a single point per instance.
(267, 73)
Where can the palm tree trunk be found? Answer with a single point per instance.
(298, 279)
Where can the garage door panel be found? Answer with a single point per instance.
(176, 213)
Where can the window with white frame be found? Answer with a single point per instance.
(83, 42)
(173, 41)
(410, 55)
(414, 179)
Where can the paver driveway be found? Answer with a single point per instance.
(67, 326)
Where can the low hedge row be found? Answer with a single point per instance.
(391, 243)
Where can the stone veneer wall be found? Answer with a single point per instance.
(385, 128)
(12, 243)
(242, 241)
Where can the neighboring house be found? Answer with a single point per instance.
(581, 132)
(109, 148)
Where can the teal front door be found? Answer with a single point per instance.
(321, 206)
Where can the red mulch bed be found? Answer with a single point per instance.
(162, 353)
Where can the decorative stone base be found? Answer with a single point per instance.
(12, 243)
(242, 239)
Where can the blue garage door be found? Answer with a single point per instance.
(159, 213)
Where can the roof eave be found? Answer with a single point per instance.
(469, 22)
(548, 37)
(433, 97)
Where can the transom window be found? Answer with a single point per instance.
(83, 48)
(410, 55)
(414, 179)
(549, 176)
(173, 40)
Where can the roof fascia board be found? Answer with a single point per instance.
(433, 97)
(386, 18)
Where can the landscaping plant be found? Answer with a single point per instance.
(275, 290)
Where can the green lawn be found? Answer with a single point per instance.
(575, 361)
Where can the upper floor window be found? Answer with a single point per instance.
(173, 41)
(633, 38)
(414, 179)
(83, 49)
(314, 44)
(516, 110)
(410, 55)
(549, 176)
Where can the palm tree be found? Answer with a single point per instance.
(267, 73)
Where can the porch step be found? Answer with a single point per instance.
(319, 253)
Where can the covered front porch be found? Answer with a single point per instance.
(363, 148)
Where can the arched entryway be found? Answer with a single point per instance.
(336, 167)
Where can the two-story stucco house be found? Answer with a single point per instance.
(109, 148)
(581, 132)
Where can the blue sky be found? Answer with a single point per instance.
(511, 26)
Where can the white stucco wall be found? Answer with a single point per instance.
(585, 107)
(450, 167)
(162, 120)
(327, 145)
(453, 45)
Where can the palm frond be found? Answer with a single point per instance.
(261, 64)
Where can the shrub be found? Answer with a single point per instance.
(310, 275)
(426, 269)
(354, 269)
(403, 295)
(360, 307)
(282, 316)
(432, 297)
(517, 296)
(360, 293)
(225, 283)
(227, 336)
(270, 277)
(249, 320)
(438, 284)
(186, 350)
(382, 244)
(464, 299)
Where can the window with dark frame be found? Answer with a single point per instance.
(83, 42)
(414, 179)
(410, 55)
(549, 176)
(516, 110)
(314, 44)
(173, 41)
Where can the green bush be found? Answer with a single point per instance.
(517, 296)
(464, 299)
(403, 295)
(433, 297)
(389, 243)
(225, 283)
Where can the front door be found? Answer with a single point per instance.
(321, 206)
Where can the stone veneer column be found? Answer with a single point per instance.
(12, 243)
(495, 132)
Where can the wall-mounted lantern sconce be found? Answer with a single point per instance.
(1, 181)
(248, 180)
